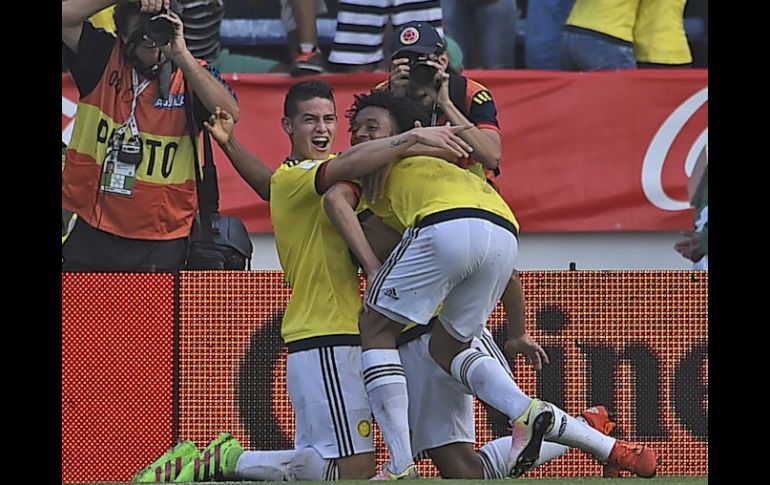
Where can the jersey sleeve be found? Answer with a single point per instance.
(483, 112)
(87, 65)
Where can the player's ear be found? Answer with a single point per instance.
(287, 125)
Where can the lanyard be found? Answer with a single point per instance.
(138, 89)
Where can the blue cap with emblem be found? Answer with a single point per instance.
(419, 37)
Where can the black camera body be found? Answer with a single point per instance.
(159, 29)
(421, 73)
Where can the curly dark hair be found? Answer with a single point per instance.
(405, 111)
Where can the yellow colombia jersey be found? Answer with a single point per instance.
(420, 186)
(659, 35)
(611, 17)
(316, 262)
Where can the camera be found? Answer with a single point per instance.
(421, 73)
(159, 29)
(131, 151)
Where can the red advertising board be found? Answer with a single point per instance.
(117, 373)
(602, 151)
(636, 342)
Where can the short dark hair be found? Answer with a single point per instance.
(123, 10)
(405, 111)
(305, 91)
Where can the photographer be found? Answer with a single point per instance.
(419, 69)
(135, 93)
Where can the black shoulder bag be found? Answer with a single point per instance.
(216, 241)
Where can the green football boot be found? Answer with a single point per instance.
(215, 462)
(169, 465)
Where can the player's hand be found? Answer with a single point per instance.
(370, 275)
(689, 247)
(220, 125)
(527, 346)
(399, 76)
(443, 137)
(152, 6)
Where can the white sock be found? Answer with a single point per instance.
(306, 47)
(488, 380)
(494, 456)
(549, 451)
(385, 383)
(309, 465)
(285, 465)
(577, 434)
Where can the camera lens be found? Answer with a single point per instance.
(422, 74)
(159, 29)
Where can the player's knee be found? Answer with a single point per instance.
(356, 467)
(457, 460)
(443, 347)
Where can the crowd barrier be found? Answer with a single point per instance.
(148, 359)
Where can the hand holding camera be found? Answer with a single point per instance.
(152, 6)
(165, 29)
(399, 76)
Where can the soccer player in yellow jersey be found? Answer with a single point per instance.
(333, 436)
(378, 115)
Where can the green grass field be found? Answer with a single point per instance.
(533, 481)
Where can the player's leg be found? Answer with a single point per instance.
(408, 288)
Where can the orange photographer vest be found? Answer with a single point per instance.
(162, 200)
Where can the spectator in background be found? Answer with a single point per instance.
(202, 20)
(660, 40)
(450, 96)
(624, 34)
(694, 246)
(545, 19)
(358, 41)
(299, 19)
(488, 24)
(599, 35)
(132, 112)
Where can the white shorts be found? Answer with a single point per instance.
(330, 403)
(440, 408)
(465, 263)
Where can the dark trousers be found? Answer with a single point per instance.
(90, 249)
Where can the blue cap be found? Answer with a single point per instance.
(419, 37)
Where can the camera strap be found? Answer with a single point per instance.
(207, 188)
(138, 89)
(123, 157)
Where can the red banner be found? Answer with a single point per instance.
(603, 151)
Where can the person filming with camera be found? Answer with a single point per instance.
(420, 70)
(138, 92)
